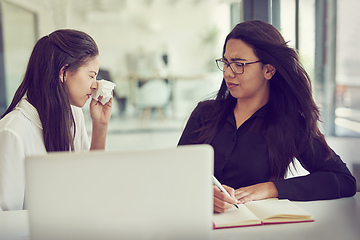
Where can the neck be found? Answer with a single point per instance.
(245, 108)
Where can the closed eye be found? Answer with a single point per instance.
(238, 64)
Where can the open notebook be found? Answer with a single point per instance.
(268, 211)
(150, 194)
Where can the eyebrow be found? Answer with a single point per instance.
(235, 59)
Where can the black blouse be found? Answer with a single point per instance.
(241, 159)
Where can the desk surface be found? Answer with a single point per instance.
(334, 219)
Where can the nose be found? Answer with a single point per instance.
(228, 72)
(94, 84)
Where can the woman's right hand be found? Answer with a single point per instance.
(223, 202)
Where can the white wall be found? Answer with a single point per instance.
(182, 26)
(46, 13)
(192, 32)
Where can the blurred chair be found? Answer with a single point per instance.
(153, 95)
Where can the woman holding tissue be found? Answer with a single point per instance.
(263, 117)
(45, 114)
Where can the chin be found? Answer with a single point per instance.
(235, 95)
(81, 105)
(78, 104)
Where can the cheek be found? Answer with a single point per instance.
(253, 82)
(76, 86)
(83, 83)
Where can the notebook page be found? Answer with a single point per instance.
(235, 217)
(283, 209)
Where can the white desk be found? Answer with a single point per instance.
(334, 220)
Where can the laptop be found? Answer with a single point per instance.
(147, 194)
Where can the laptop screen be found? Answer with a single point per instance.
(149, 194)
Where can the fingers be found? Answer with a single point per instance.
(109, 103)
(243, 195)
(230, 190)
(223, 196)
(99, 113)
(221, 206)
(223, 202)
(256, 192)
(98, 102)
(93, 102)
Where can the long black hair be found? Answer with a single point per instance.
(291, 123)
(44, 89)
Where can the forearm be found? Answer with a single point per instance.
(98, 137)
(329, 177)
(316, 186)
(256, 192)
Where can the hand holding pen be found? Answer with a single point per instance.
(222, 204)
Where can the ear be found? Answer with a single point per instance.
(269, 71)
(62, 73)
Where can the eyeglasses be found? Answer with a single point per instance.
(236, 67)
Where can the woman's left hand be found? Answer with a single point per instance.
(256, 192)
(100, 114)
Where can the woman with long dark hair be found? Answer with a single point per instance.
(263, 117)
(45, 114)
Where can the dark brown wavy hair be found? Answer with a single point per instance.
(291, 123)
(45, 91)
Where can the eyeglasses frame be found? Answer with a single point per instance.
(229, 65)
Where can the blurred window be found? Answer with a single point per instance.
(18, 34)
(347, 111)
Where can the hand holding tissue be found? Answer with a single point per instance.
(104, 89)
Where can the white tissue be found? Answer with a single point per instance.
(104, 89)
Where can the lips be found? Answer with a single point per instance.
(231, 85)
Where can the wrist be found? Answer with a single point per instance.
(273, 190)
(98, 126)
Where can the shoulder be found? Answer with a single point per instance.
(208, 103)
(207, 107)
(17, 125)
(206, 110)
(23, 116)
(13, 127)
(14, 121)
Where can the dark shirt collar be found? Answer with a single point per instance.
(261, 112)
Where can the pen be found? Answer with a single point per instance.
(218, 184)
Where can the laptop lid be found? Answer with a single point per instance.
(148, 194)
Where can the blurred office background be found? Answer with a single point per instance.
(160, 54)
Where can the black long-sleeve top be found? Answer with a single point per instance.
(241, 159)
